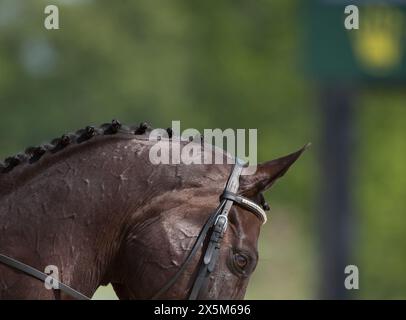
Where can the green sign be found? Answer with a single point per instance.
(374, 51)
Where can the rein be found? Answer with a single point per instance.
(35, 273)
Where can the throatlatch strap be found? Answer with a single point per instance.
(40, 276)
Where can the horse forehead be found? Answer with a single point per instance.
(244, 229)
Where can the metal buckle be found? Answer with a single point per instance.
(225, 223)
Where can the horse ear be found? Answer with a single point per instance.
(267, 173)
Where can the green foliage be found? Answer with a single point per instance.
(381, 194)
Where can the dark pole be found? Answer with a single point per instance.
(335, 216)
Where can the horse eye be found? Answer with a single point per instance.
(240, 260)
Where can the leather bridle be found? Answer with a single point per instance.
(215, 227)
(217, 223)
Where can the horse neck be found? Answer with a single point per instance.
(72, 209)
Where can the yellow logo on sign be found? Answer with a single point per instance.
(378, 43)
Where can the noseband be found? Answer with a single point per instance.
(215, 227)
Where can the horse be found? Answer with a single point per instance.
(92, 204)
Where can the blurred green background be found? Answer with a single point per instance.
(226, 64)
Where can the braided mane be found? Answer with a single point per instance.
(33, 154)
